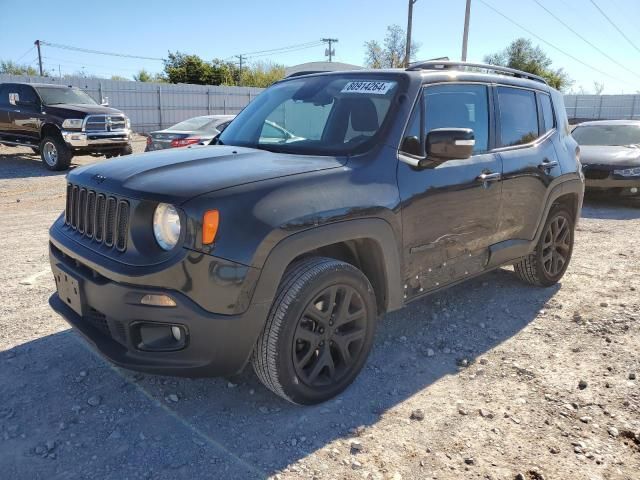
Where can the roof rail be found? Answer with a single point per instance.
(449, 65)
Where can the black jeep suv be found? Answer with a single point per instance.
(283, 252)
(58, 121)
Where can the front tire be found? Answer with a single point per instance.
(548, 263)
(55, 153)
(318, 333)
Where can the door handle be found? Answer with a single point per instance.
(548, 165)
(489, 177)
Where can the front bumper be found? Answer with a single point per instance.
(602, 177)
(108, 313)
(84, 140)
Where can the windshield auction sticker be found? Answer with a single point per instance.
(376, 88)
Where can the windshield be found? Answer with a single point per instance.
(608, 135)
(55, 96)
(196, 123)
(320, 115)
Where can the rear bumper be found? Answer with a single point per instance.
(99, 140)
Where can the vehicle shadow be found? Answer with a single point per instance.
(25, 165)
(610, 208)
(165, 427)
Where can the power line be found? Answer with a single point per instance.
(25, 53)
(549, 43)
(299, 45)
(97, 52)
(283, 52)
(615, 26)
(602, 52)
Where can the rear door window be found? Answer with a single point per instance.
(548, 119)
(518, 116)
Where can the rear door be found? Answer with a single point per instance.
(449, 213)
(5, 120)
(529, 160)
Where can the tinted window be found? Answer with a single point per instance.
(27, 94)
(459, 106)
(61, 95)
(195, 123)
(4, 94)
(518, 116)
(608, 135)
(413, 130)
(547, 112)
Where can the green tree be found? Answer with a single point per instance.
(261, 74)
(142, 76)
(522, 55)
(392, 51)
(182, 68)
(120, 78)
(12, 68)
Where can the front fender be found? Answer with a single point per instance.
(375, 229)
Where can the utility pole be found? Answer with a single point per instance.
(37, 44)
(407, 53)
(329, 52)
(240, 58)
(465, 36)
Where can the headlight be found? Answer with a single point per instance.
(75, 123)
(127, 122)
(628, 172)
(166, 226)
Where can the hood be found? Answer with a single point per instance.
(610, 155)
(179, 174)
(66, 109)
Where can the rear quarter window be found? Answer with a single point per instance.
(548, 118)
(518, 116)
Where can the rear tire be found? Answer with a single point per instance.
(55, 153)
(318, 333)
(548, 263)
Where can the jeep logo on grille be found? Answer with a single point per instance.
(97, 178)
(108, 123)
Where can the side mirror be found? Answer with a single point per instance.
(449, 144)
(105, 102)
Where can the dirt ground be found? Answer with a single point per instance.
(491, 379)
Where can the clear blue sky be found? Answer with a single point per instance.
(226, 28)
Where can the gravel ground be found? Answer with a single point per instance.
(490, 379)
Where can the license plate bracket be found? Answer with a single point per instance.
(68, 289)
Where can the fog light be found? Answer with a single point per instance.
(634, 190)
(156, 337)
(158, 300)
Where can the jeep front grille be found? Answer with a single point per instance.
(100, 217)
(105, 123)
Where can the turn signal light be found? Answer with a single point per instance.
(210, 222)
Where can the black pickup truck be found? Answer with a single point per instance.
(282, 252)
(58, 122)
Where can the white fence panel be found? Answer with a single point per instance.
(154, 106)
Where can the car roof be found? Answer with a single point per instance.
(450, 72)
(609, 122)
(54, 85)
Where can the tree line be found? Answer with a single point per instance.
(180, 67)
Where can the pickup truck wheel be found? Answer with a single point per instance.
(318, 333)
(55, 154)
(546, 266)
